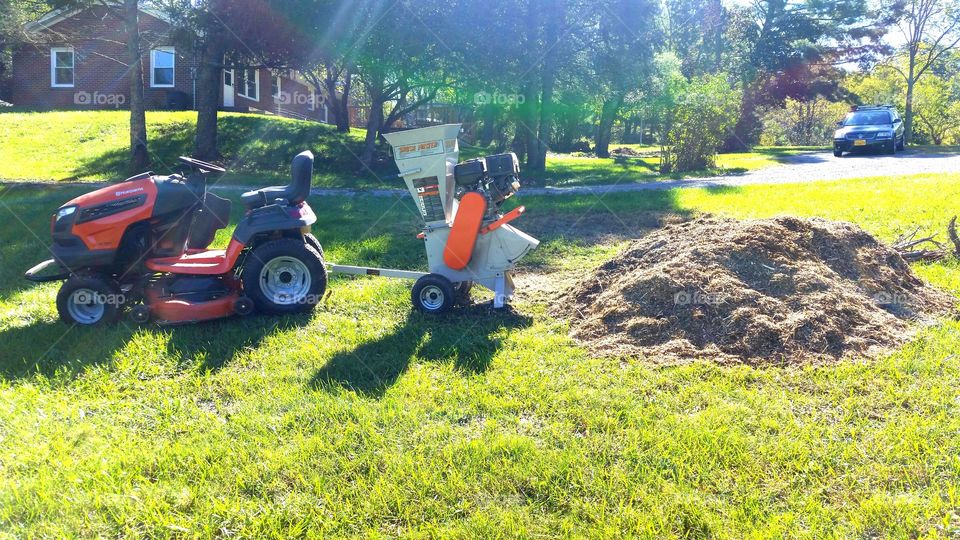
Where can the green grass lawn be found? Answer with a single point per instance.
(364, 419)
(257, 149)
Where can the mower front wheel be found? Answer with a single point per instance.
(89, 300)
(284, 276)
(433, 294)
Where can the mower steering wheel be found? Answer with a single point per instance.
(202, 166)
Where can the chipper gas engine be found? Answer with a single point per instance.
(467, 238)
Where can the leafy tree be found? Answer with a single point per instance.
(256, 33)
(621, 53)
(128, 13)
(931, 30)
(935, 107)
(790, 49)
(14, 14)
(694, 30)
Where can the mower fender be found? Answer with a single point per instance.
(35, 274)
(274, 218)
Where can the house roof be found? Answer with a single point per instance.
(62, 14)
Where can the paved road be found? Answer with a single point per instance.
(800, 168)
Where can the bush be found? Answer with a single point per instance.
(802, 123)
(706, 110)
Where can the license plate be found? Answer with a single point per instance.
(859, 142)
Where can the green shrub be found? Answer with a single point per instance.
(706, 110)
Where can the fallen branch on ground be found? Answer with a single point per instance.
(914, 249)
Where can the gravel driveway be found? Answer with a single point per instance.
(799, 168)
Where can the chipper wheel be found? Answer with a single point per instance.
(89, 300)
(284, 276)
(433, 293)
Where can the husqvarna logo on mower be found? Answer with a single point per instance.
(128, 191)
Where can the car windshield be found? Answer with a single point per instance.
(867, 118)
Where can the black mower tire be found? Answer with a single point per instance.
(433, 294)
(89, 300)
(312, 241)
(264, 267)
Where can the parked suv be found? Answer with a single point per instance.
(877, 126)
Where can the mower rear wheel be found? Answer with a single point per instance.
(89, 300)
(312, 241)
(284, 276)
(433, 294)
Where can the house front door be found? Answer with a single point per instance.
(228, 88)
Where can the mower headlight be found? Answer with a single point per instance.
(64, 212)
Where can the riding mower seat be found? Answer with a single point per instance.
(293, 193)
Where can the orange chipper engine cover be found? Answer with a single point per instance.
(465, 230)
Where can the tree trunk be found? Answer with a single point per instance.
(608, 115)
(555, 10)
(374, 122)
(343, 104)
(529, 116)
(528, 121)
(747, 129)
(139, 156)
(518, 145)
(908, 110)
(339, 102)
(489, 118)
(209, 71)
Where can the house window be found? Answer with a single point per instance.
(61, 67)
(162, 62)
(248, 80)
(275, 86)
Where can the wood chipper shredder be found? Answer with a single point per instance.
(467, 238)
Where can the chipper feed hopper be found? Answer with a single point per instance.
(467, 238)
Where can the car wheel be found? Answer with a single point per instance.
(892, 147)
(89, 300)
(284, 276)
(837, 153)
(902, 145)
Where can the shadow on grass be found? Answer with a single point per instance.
(468, 337)
(59, 351)
(256, 149)
(629, 161)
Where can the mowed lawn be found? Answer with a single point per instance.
(257, 150)
(365, 419)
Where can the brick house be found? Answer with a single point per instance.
(77, 60)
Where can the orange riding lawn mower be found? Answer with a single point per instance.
(141, 247)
